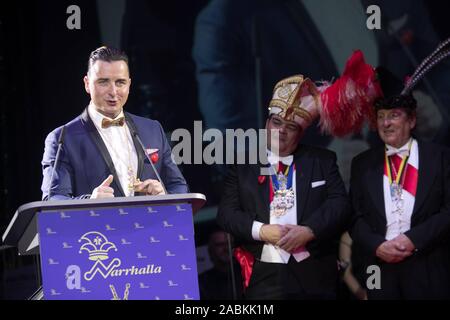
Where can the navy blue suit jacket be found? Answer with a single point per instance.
(85, 162)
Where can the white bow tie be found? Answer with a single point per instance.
(273, 159)
(402, 152)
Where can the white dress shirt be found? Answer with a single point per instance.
(271, 253)
(120, 146)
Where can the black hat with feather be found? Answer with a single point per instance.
(397, 94)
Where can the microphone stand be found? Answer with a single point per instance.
(134, 133)
(233, 276)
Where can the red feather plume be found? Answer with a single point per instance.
(348, 102)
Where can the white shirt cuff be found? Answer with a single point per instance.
(255, 230)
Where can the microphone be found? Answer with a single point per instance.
(134, 134)
(55, 164)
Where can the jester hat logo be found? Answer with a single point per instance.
(97, 245)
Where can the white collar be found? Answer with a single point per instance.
(402, 151)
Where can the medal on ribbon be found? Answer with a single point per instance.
(396, 180)
(284, 197)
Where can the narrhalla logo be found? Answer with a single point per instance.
(97, 246)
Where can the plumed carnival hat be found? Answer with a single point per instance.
(397, 94)
(342, 106)
(296, 99)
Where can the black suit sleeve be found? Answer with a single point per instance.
(332, 217)
(437, 225)
(231, 217)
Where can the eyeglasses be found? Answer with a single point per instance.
(278, 124)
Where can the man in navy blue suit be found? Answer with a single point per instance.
(101, 156)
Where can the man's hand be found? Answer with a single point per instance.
(149, 187)
(272, 233)
(393, 251)
(104, 190)
(296, 237)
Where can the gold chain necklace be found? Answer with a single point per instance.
(130, 172)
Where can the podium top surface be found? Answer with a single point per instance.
(25, 213)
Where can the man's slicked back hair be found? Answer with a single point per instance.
(106, 54)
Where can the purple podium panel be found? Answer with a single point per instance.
(135, 253)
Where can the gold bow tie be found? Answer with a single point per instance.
(106, 123)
